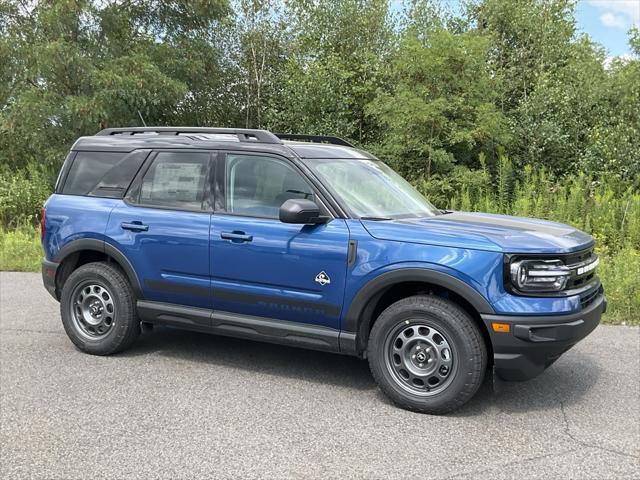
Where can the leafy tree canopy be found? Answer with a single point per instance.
(433, 91)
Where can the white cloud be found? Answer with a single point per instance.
(608, 61)
(612, 20)
(626, 8)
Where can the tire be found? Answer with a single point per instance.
(98, 309)
(431, 340)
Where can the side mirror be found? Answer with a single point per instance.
(301, 211)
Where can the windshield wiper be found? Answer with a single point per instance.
(445, 212)
(376, 219)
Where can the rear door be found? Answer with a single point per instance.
(163, 224)
(263, 267)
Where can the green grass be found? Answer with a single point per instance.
(20, 249)
(620, 273)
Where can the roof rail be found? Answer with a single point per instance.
(315, 138)
(243, 134)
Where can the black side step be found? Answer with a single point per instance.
(270, 330)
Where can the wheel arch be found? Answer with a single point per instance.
(391, 286)
(86, 250)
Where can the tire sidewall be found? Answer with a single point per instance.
(450, 325)
(103, 275)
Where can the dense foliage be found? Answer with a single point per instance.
(428, 90)
(503, 106)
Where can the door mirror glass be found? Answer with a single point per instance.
(300, 211)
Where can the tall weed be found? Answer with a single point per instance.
(607, 208)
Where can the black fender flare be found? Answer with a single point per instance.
(101, 246)
(356, 322)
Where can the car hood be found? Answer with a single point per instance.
(483, 232)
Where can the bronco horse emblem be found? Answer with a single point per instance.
(323, 279)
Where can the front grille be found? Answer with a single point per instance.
(575, 281)
(576, 260)
(578, 257)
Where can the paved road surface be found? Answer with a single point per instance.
(182, 405)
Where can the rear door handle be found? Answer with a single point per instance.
(134, 226)
(237, 237)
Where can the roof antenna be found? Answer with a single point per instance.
(143, 122)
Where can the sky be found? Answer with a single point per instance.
(605, 21)
(608, 21)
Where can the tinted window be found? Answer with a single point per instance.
(258, 186)
(116, 181)
(63, 171)
(88, 169)
(176, 180)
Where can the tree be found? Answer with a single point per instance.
(260, 56)
(439, 108)
(613, 139)
(552, 124)
(557, 94)
(335, 65)
(529, 38)
(79, 66)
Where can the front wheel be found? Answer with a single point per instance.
(427, 354)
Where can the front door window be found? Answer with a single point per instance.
(257, 186)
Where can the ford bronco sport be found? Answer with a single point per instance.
(307, 241)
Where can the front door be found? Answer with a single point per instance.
(263, 267)
(163, 229)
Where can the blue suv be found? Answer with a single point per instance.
(307, 241)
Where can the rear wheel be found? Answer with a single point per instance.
(97, 306)
(427, 354)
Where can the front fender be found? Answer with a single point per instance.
(358, 317)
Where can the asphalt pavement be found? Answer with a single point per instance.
(181, 405)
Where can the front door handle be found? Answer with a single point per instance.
(236, 237)
(135, 226)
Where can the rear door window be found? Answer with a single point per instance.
(176, 180)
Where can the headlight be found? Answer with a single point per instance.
(539, 275)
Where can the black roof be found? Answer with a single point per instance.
(322, 150)
(129, 139)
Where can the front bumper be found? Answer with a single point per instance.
(535, 342)
(49, 270)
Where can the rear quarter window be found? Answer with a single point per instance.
(102, 174)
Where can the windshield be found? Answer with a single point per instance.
(370, 188)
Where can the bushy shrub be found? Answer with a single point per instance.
(620, 274)
(22, 194)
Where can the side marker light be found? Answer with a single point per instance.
(501, 327)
